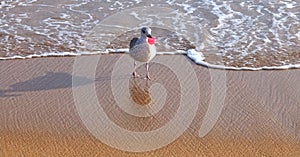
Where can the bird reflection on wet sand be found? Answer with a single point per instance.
(139, 91)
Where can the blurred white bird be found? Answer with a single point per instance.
(142, 49)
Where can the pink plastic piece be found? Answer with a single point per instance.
(151, 40)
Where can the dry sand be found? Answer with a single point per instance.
(260, 117)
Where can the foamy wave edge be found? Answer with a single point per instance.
(195, 56)
(198, 58)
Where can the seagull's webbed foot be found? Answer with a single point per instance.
(148, 77)
(135, 75)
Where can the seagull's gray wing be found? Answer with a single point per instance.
(133, 42)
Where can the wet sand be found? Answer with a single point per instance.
(38, 116)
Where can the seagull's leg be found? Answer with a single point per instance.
(134, 72)
(148, 74)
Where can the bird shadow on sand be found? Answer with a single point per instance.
(49, 81)
(140, 91)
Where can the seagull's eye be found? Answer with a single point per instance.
(143, 31)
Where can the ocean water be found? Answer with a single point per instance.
(233, 34)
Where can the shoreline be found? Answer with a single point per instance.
(39, 117)
(197, 57)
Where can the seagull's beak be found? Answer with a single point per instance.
(149, 36)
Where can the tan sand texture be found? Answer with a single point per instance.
(39, 117)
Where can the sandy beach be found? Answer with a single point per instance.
(38, 116)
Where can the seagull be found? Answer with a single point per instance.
(142, 49)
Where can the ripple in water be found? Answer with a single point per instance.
(252, 34)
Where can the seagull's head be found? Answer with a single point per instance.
(146, 32)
